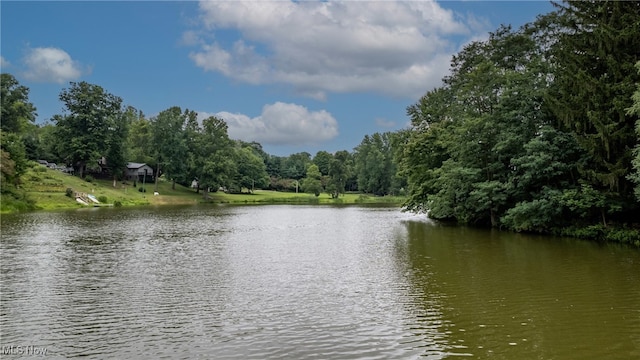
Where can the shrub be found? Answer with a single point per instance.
(102, 199)
(623, 235)
(69, 192)
(141, 189)
(117, 203)
(88, 178)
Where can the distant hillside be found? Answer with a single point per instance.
(42, 188)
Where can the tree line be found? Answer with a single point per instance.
(98, 135)
(535, 129)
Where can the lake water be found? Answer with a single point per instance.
(307, 282)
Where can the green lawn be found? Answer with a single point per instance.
(48, 189)
(267, 196)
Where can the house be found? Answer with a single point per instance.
(138, 172)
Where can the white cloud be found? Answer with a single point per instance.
(380, 122)
(281, 124)
(4, 62)
(48, 64)
(393, 48)
(203, 115)
(190, 38)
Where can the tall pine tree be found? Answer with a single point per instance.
(594, 78)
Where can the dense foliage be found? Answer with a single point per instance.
(16, 130)
(97, 136)
(534, 128)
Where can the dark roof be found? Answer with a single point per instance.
(132, 165)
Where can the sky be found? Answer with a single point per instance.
(293, 76)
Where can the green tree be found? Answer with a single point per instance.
(50, 144)
(295, 165)
(635, 162)
(251, 171)
(192, 134)
(17, 115)
(168, 139)
(548, 166)
(140, 141)
(17, 112)
(32, 143)
(256, 148)
(375, 165)
(427, 146)
(13, 163)
(457, 158)
(13, 152)
(322, 161)
(498, 89)
(275, 166)
(338, 173)
(214, 159)
(597, 44)
(529, 132)
(84, 130)
(7, 170)
(399, 140)
(311, 183)
(116, 154)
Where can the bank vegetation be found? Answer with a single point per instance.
(535, 129)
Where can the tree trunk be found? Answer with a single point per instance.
(494, 221)
(205, 193)
(173, 184)
(80, 170)
(115, 181)
(157, 176)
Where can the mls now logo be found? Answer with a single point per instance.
(22, 350)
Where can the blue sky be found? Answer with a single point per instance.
(294, 76)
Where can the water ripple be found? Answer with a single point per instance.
(304, 283)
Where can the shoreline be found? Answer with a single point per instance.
(187, 202)
(45, 189)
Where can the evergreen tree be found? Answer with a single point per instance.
(635, 162)
(594, 78)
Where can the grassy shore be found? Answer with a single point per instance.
(48, 190)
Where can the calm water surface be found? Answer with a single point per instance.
(308, 282)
